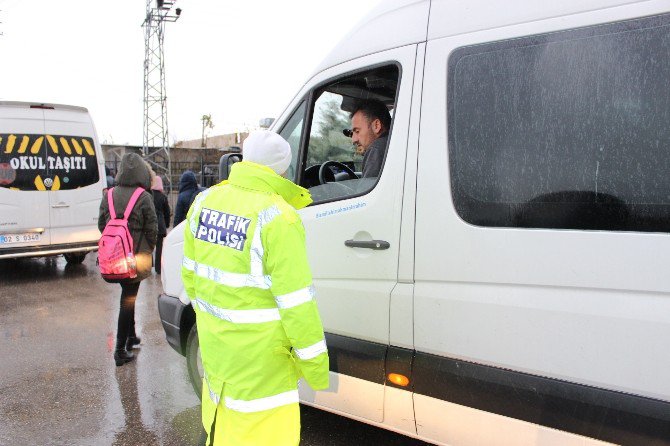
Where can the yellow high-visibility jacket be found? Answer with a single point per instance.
(245, 269)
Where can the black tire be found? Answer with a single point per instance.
(193, 361)
(74, 258)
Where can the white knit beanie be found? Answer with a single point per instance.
(269, 149)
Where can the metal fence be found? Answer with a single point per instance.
(206, 175)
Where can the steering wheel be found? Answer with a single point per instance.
(326, 174)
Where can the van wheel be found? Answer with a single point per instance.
(194, 361)
(74, 258)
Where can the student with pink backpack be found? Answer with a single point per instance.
(138, 206)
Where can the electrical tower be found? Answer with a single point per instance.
(155, 145)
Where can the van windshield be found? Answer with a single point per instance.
(34, 162)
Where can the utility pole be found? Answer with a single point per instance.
(155, 145)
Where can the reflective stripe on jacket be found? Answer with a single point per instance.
(245, 269)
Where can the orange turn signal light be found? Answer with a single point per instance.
(398, 379)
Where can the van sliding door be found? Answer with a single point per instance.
(541, 294)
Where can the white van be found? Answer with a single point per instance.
(51, 181)
(505, 280)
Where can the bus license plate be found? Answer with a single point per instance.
(28, 237)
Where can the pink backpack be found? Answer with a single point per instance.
(116, 254)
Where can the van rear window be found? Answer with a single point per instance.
(567, 130)
(31, 162)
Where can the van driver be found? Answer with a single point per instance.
(370, 123)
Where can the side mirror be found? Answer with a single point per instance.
(226, 162)
(265, 123)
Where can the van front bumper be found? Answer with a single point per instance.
(48, 250)
(173, 313)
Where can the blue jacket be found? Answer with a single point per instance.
(188, 189)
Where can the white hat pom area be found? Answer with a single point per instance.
(269, 149)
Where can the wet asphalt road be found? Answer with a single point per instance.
(59, 384)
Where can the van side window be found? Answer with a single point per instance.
(291, 132)
(30, 162)
(337, 163)
(564, 130)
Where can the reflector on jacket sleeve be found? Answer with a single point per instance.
(295, 298)
(312, 351)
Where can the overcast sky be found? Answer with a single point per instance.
(238, 60)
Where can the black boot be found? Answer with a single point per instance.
(122, 356)
(132, 342)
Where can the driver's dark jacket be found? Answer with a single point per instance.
(374, 157)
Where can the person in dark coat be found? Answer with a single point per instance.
(109, 178)
(163, 213)
(133, 172)
(188, 189)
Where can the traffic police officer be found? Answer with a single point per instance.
(245, 269)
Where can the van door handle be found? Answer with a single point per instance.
(61, 205)
(369, 244)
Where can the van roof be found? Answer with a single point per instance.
(21, 104)
(454, 17)
(395, 23)
(392, 24)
